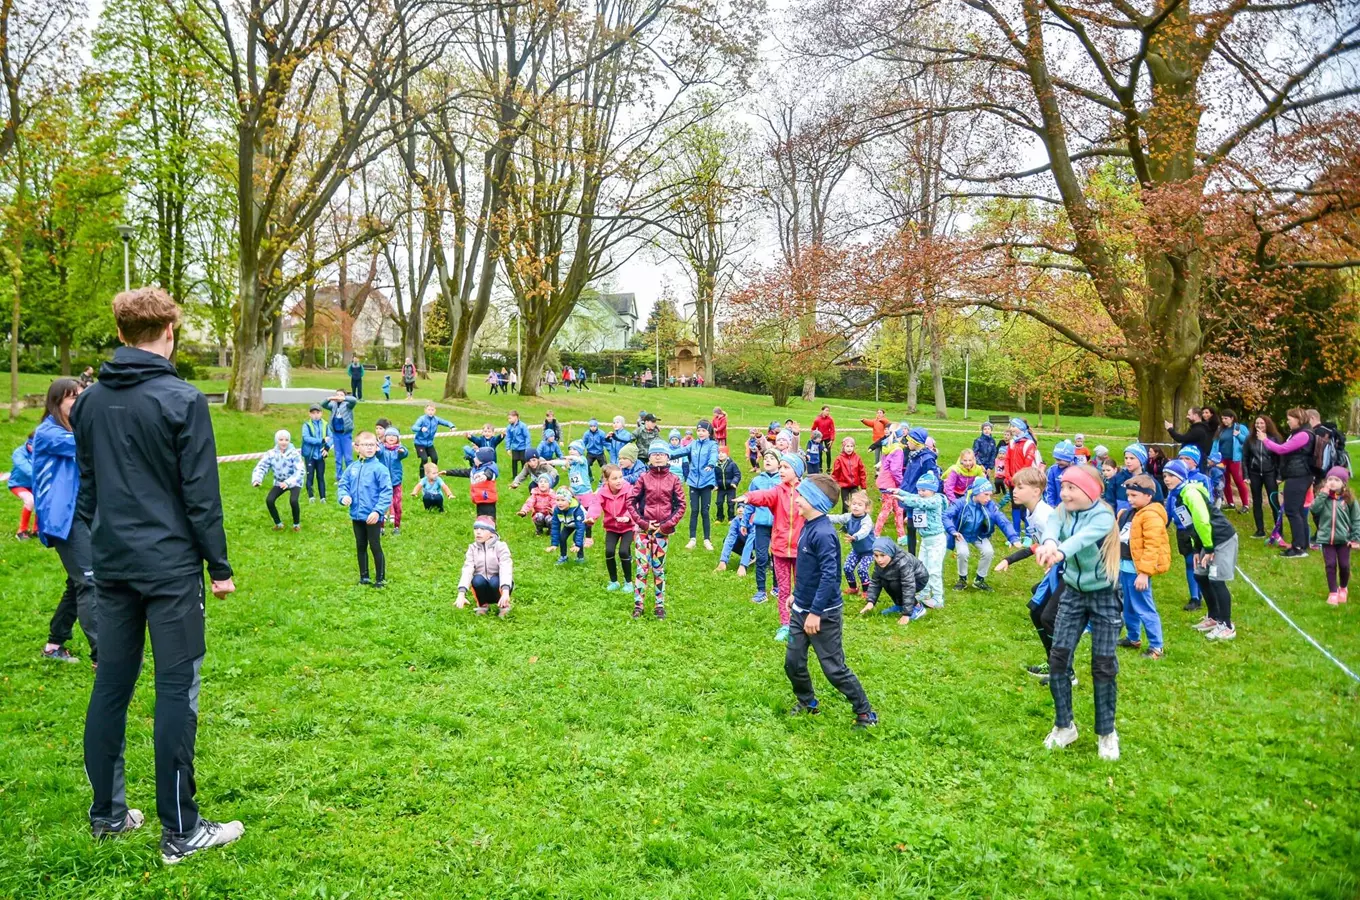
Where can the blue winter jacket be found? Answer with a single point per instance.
(917, 464)
(703, 463)
(342, 415)
(1053, 489)
(573, 518)
(763, 481)
(425, 428)
(976, 522)
(549, 449)
(21, 466)
(316, 437)
(479, 441)
(56, 480)
(392, 459)
(1118, 496)
(984, 449)
(734, 535)
(1174, 497)
(368, 484)
(517, 436)
(614, 442)
(816, 455)
(817, 568)
(594, 442)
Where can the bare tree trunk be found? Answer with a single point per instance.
(64, 350)
(1098, 400)
(276, 336)
(1021, 396)
(937, 374)
(309, 324)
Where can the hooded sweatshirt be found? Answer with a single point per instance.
(148, 471)
(787, 522)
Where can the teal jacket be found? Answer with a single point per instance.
(1081, 536)
(927, 513)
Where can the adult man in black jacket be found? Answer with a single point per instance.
(149, 491)
(1200, 434)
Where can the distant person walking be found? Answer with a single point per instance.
(149, 492)
(408, 377)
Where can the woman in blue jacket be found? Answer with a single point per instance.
(56, 482)
(700, 477)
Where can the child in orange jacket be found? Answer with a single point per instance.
(788, 524)
(1145, 551)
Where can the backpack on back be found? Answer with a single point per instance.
(1329, 449)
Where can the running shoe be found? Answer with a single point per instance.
(206, 836)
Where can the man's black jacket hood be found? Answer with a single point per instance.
(148, 472)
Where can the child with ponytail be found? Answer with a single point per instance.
(1083, 537)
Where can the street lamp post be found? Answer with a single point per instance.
(965, 381)
(126, 232)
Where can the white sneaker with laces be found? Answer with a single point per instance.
(206, 836)
(690, 545)
(1109, 746)
(708, 545)
(1061, 737)
(1222, 633)
(1205, 624)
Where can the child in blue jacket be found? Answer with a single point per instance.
(920, 461)
(815, 454)
(568, 525)
(487, 438)
(1064, 455)
(727, 477)
(859, 528)
(927, 518)
(316, 442)
(740, 539)
(617, 438)
(423, 433)
(391, 452)
(517, 441)
(549, 448)
(701, 477)
(21, 486)
(366, 490)
(387, 387)
(970, 521)
(593, 441)
(984, 450)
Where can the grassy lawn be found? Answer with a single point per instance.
(384, 745)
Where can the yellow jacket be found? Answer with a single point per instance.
(1148, 543)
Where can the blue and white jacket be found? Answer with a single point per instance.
(516, 436)
(368, 484)
(615, 441)
(425, 429)
(572, 518)
(21, 466)
(316, 438)
(342, 415)
(287, 466)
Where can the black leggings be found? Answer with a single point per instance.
(271, 501)
(1044, 616)
(368, 537)
(516, 462)
(426, 454)
(1295, 489)
(435, 502)
(317, 468)
(724, 502)
(1271, 486)
(1217, 599)
(592, 459)
(1337, 559)
(622, 543)
(699, 503)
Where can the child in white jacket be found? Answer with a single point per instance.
(487, 570)
(285, 462)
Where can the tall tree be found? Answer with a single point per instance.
(1216, 108)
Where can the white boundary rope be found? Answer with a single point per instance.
(1308, 637)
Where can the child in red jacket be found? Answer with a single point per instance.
(788, 524)
(657, 505)
(540, 505)
(613, 501)
(849, 472)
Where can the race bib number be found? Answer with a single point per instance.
(1125, 532)
(1183, 516)
(918, 518)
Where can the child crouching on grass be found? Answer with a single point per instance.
(285, 462)
(1337, 513)
(540, 505)
(741, 539)
(568, 525)
(366, 491)
(927, 517)
(817, 610)
(432, 489)
(487, 569)
(658, 504)
(1084, 538)
(901, 576)
(859, 530)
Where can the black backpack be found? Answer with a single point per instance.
(1329, 449)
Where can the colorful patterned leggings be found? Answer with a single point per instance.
(651, 560)
(855, 563)
(783, 577)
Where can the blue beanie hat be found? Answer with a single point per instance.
(594, 422)
(486, 455)
(774, 426)
(794, 462)
(529, 454)
(1138, 452)
(981, 485)
(918, 434)
(885, 546)
(1177, 468)
(675, 433)
(1065, 451)
(659, 447)
(1189, 452)
(1216, 455)
(578, 445)
(928, 482)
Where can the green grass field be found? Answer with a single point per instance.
(382, 744)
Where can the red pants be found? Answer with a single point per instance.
(1234, 474)
(396, 506)
(783, 573)
(893, 508)
(28, 522)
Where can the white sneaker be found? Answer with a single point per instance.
(690, 545)
(1061, 737)
(1109, 746)
(708, 545)
(1205, 624)
(1222, 633)
(206, 836)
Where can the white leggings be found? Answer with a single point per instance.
(986, 552)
